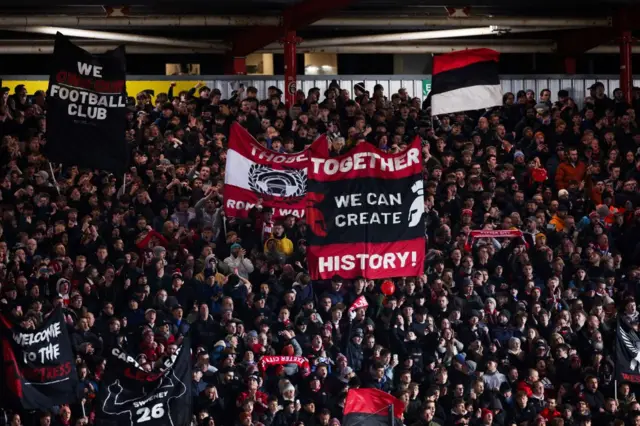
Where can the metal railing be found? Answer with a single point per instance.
(577, 85)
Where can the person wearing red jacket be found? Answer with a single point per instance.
(572, 169)
(526, 385)
(252, 393)
(550, 412)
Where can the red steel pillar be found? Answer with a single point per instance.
(290, 64)
(235, 65)
(626, 73)
(570, 65)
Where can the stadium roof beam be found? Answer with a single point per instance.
(576, 42)
(473, 21)
(139, 21)
(537, 47)
(416, 36)
(298, 16)
(47, 49)
(120, 37)
(298, 13)
(19, 47)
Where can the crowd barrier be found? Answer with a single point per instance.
(416, 85)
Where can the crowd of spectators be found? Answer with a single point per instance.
(496, 332)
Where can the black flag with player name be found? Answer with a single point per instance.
(38, 369)
(130, 396)
(627, 354)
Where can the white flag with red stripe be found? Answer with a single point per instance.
(254, 173)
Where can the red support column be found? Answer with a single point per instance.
(626, 76)
(570, 65)
(235, 65)
(290, 67)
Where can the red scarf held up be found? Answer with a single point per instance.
(271, 360)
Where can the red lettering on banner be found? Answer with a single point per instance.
(141, 376)
(633, 378)
(102, 86)
(47, 374)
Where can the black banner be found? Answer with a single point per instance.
(627, 354)
(38, 364)
(86, 108)
(130, 396)
(370, 209)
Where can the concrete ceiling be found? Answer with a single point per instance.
(358, 8)
(362, 9)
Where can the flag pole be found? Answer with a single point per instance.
(615, 390)
(53, 177)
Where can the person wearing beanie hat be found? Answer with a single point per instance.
(238, 263)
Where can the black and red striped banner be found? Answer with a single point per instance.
(365, 213)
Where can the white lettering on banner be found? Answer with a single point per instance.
(28, 339)
(145, 401)
(366, 160)
(123, 356)
(278, 158)
(87, 111)
(372, 199)
(293, 212)
(364, 261)
(384, 199)
(145, 413)
(88, 69)
(48, 353)
(244, 205)
(348, 200)
(86, 104)
(86, 97)
(367, 218)
(240, 205)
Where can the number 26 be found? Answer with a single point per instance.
(145, 413)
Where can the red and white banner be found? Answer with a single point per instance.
(360, 302)
(255, 173)
(486, 233)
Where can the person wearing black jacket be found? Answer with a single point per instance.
(522, 413)
(592, 395)
(352, 346)
(287, 416)
(204, 329)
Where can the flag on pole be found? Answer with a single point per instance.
(372, 407)
(465, 80)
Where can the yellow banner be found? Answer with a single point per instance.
(133, 87)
